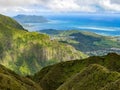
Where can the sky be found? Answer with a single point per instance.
(38, 7)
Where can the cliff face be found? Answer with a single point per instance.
(27, 52)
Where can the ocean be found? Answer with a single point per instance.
(101, 24)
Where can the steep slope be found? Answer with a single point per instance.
(52, 77)
(93, 77)
(27, 52)
(9, 22)
(112, 86)
(11, 81)
(90, 43)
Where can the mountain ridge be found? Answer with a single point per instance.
(93, 77)
(52, 77)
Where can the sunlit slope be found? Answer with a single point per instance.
(27, 52)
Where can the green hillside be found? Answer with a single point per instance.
(94, 77)
(9, 22)
(87, 42)
(52, 77)
(11, 81)
(93, 73)
(27, 52)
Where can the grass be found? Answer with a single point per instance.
(54, 76)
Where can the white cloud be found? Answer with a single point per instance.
(69, 5)
(12, 3)
(107, 5)
(29, 6)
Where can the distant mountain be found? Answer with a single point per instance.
(27, 52)
(93, 73)
(87, 42)
(30, 19)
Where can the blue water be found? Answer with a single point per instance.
(101, 24)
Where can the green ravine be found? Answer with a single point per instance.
(27, 52)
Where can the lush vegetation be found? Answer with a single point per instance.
(27, 52)
(73, 75)
(87, 42)
(11, 81)
(93, 73)
(94, 77)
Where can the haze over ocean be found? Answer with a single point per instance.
(99, 16)
(97, 23)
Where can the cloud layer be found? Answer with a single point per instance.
(47, 6)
